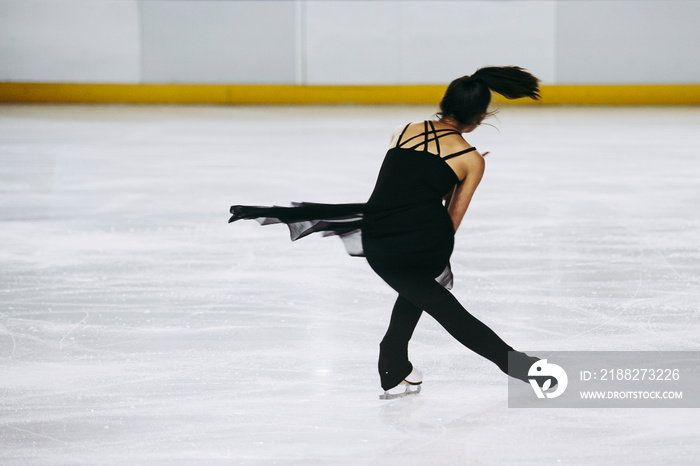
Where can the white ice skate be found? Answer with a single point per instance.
(408, 386)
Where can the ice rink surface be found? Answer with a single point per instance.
(138, 327)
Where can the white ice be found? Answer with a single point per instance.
(138, 327)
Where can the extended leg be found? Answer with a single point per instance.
(425, 293)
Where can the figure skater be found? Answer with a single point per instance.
(406, 232)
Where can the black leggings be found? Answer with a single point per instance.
(420, 292)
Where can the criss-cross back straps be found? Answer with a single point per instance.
(428, 136)
(436, 138)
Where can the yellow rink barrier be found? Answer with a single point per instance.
(672, 94)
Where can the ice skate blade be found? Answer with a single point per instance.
(410, 390)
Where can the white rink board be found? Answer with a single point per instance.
(137, 327)
(70, 41)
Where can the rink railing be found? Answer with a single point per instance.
(684, 94)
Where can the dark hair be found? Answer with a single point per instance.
(467, 98)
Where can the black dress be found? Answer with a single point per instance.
(404, 222)
(407, 236)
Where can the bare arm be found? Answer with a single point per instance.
(463, 192)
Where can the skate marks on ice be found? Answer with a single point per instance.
(8, 345)
(137, 326)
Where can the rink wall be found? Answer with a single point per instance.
(325, 51)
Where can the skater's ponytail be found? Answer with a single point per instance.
(467, 98)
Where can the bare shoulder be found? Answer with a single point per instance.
(397, 132)
(474, 161)
(468, 166)
(456, 143)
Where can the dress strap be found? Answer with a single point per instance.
(459, 153)
(425, 135)
(398, 141)
(436, 138)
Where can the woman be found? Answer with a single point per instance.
(405, 231)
